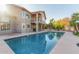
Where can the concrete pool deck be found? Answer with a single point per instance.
(66, 44)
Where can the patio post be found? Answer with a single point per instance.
(36, 22)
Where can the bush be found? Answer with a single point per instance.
(76, 33)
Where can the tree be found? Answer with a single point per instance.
(51, 23)
(75, 17)
(58, 25)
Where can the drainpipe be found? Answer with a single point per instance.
(37, 22)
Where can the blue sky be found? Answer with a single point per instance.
(55, 11)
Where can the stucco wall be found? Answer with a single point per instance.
(16, 20)
(20, 20)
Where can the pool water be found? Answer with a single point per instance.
(41, 43)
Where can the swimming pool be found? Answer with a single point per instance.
(41, 43)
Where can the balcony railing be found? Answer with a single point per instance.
(39, 21)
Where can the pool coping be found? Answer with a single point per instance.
(19, 35)
(14, 35)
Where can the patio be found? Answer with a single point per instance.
(67, 44)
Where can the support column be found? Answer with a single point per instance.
(37, 22)
(41, 27)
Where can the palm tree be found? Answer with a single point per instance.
(51, 23)
(75, 17)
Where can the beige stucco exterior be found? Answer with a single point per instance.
(19, 19)
(23, 18)
(38, 21)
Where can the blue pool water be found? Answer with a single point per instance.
(41, 43)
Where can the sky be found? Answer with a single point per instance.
(56, 11)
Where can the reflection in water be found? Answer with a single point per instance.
(51, 41)
(51, 36)
(59, 34)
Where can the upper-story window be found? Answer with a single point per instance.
(24, 15)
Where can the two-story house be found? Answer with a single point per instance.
(17, 19)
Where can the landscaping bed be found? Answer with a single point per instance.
(77, 33)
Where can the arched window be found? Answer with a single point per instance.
(24, 15)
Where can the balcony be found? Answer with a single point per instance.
(39, 21)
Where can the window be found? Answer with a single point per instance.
(27, 16)
(4, 26)
(24, 14)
